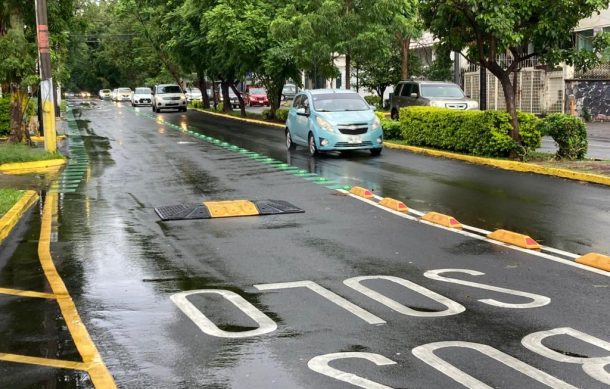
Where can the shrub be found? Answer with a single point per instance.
(570, 134)
(281, 114)
(380, 115)
(266, 113)
(220, 107)
(483, 133)
(391, 129)
(373, 100)
(5, 116)
(529, 130)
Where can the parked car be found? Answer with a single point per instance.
(104, 94)
(85, 95)
(168, 96)
(289, 92)
(429, 93)
(256, 96)
(327, 119)
(234, 99)
(141, 96)
(122, 94)
(193, 94)
(113, 94)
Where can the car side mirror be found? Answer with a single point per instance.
(302, 112)
(414, 95)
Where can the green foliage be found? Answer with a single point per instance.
(196, 104)
(391, 129)
(8, 198)
(586, 114)
(281, 114)
(220, 107)
(570, 134)
(380, 115)
(441, 68)
(10, 153)
(483, 133)
(373, 100)
(5, 116)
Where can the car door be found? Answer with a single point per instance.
(302, 120)
(294, 119)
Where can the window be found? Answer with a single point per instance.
(406, 90)
(297, 101)
(584, 40)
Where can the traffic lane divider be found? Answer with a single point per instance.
(515, 239)
(225, 209)
(394, 204)
(31, 167)
(246, 120)
(12, 217)
(361, 192)
(596, 260)
(443, 220)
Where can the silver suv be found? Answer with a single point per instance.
(168, 96)
(429, 93)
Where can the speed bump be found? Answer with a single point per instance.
(443, 220)
(224, 209)
(393, 204)
(361, 192)
(595, 260)
(515, 239)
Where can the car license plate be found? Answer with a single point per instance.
(353, 139)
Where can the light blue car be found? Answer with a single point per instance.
(327, 120)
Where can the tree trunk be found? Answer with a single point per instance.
(17, 109)
(348, 70)
(404, 67)
(511, 106)
(226, 101)
(203, 87)
(242, 104)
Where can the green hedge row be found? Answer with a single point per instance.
(5, 116)
(570, 134)
(281, 114)
(482, 133)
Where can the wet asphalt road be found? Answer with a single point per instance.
(121, 265)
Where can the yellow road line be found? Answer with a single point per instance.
(253, 121)
(43, 362)
(12, 217)
(27, 293)
(98, 372)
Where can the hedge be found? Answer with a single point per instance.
(391, 129)
(5, 116)
(281, 114)
(570, 134)
(482, 133)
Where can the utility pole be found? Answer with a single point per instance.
(46, 81)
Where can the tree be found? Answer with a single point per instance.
(521, 28)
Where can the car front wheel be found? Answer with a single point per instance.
(313, 149)
(289, 144)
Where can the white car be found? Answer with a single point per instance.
(123, 94)
(193, 94)
(168, 96)
(104, 94)
(141, 96)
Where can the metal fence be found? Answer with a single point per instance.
(600, 72)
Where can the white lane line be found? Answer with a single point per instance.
(560, 252)
(484, 238)
(327, 294)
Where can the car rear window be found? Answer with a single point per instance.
(442, 90)
(258, 91)
(142, 91)
(170, 89)
(124, 90)
(339, 102)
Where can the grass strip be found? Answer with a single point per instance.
(16, 153)
(8, 198)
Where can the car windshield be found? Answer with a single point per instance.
(338, 102)
(445, 90)
(170, 89)
(124, 90)
(231, 93)
(258, 91)
(289, 89)
(195, 90)
(106, 90)
(143, 91)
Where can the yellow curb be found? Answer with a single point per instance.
(253, 121)
(56, 363)
(522, 167)
(596, 260)
(40, 139)
(33, 167)
(12, 217)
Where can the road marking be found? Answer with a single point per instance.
(265, 324)
(27, 293)
(453, 308)
(320, 364)
(100, 376)
(537, 300)
(56, 363)
(594, 366)
(327, 294)
(426, 354)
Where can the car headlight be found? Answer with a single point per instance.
(376, 123)
(325, 125)
(437, 104)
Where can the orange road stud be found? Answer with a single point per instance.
(443, 220)
(514, 239)
(394, 205)
(361, 192)
(596, 260)
(231, 208)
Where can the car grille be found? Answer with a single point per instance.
(345, 144)
(144, 101)
(353, 129)
(174, 98)
(456, 105)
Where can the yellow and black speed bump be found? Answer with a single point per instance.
(221, 209)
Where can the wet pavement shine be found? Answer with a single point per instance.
(343, 295)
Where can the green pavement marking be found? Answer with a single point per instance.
(304, 175)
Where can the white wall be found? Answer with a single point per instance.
(601, 20)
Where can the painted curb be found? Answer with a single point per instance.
(31, 167)
(12, 217)
(40, 139)
(253, 121)
(521, 167)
